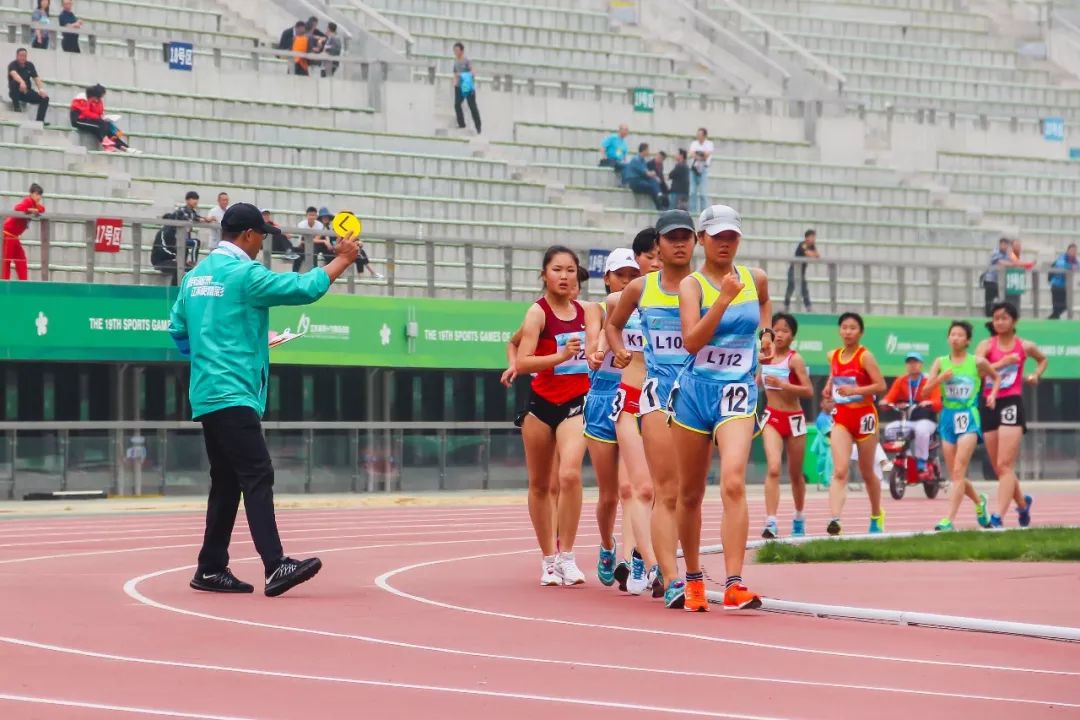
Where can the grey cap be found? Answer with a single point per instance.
(719, 218)
(672, 220)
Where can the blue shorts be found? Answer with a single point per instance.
(955, 422)
(601, 411)
(703, 405)
(656, 393)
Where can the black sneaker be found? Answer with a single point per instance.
(622, 574)
(833, 528)
(291, 573)
(221, 582)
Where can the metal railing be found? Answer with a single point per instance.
(449, 267)
(141, 458)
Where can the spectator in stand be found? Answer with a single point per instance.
(21, 73)
(701, 151)
(640, 180)
(214, 216)
(464, 87)
(331, 47)
(615, 151)
(806, 249)
(679, 197)
(656, 167)
(41, 17)
(87, 115)
(320, 243)
(69, 42)
(290, 33)
(279, 242)
(1017, 261)
(301, 45)
(164, 252)
(999, 259)
(14, 227)
(1067, 264)
(318, 37)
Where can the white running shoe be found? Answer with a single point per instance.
(548, 575)
(639, 580)
(566, 568)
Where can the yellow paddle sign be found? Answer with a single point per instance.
(345, 224)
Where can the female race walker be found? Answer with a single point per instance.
(638, 571)
(787, 383)
(602, 407)
(724, 309)
(1004, 424)
(553, 347)
(961, 373)
(655, 297)
(853, 381)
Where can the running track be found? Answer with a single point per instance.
(435, 612)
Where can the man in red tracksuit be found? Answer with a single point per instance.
(13, 253)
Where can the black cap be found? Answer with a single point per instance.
(672, 220)
(244, 216)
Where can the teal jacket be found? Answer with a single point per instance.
(221, 320)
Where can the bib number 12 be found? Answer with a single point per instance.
(735, 400)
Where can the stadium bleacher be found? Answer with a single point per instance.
(288, 142)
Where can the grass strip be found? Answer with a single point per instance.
(1053, 544)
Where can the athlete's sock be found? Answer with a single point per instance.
(771, 519)
(733, 580)
(694, 576)
(798, 515)
(636, 554)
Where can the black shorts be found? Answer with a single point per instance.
(1007, 412)
(553, 415)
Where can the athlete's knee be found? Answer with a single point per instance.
(644, 494)
(569, 478)
(733, 486)
(626, 491)
(692, 496)
(772, 471)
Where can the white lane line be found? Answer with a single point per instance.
(155, 712)
(383, 582)
(553, 699)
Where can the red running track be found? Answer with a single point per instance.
(436, 612)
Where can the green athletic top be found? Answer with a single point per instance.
(961, 390)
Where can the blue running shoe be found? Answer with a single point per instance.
(877, 524)
(675, 595)
(995, 521)
(605, 566)
(1025, 514)
(798, 527)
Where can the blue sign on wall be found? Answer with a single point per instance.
(597, 260)
(181, 56)
(1074, 153)
(1054, 129)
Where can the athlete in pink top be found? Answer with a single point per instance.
(1004, 424)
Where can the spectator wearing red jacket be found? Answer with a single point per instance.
(88, 115)
(14, 227)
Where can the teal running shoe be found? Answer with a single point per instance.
(944, 526)
(605, 566)
(798, 527)
(877, 524)
(675, 595)
(981, 513)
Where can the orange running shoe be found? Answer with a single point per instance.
(695, 597)
(738, 597)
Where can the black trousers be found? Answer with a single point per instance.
(990, 296)
(791, 287)
(239, 465)
(1059, 300)
(30, 96)
(471, 98)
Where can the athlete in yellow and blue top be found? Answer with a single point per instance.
(655, 298)
(724, 310)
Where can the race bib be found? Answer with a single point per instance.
(724, 362)
(735, 400)
(798, 425)
(960, 389)
(961, 422)
(575, 365)
(608, 370)
(1010, 415)
(837, 383)
(868, 424)
(650, 400)
(665, 337)
(617, 404)
(773, 373)
(634, 340)
(1008, 376)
